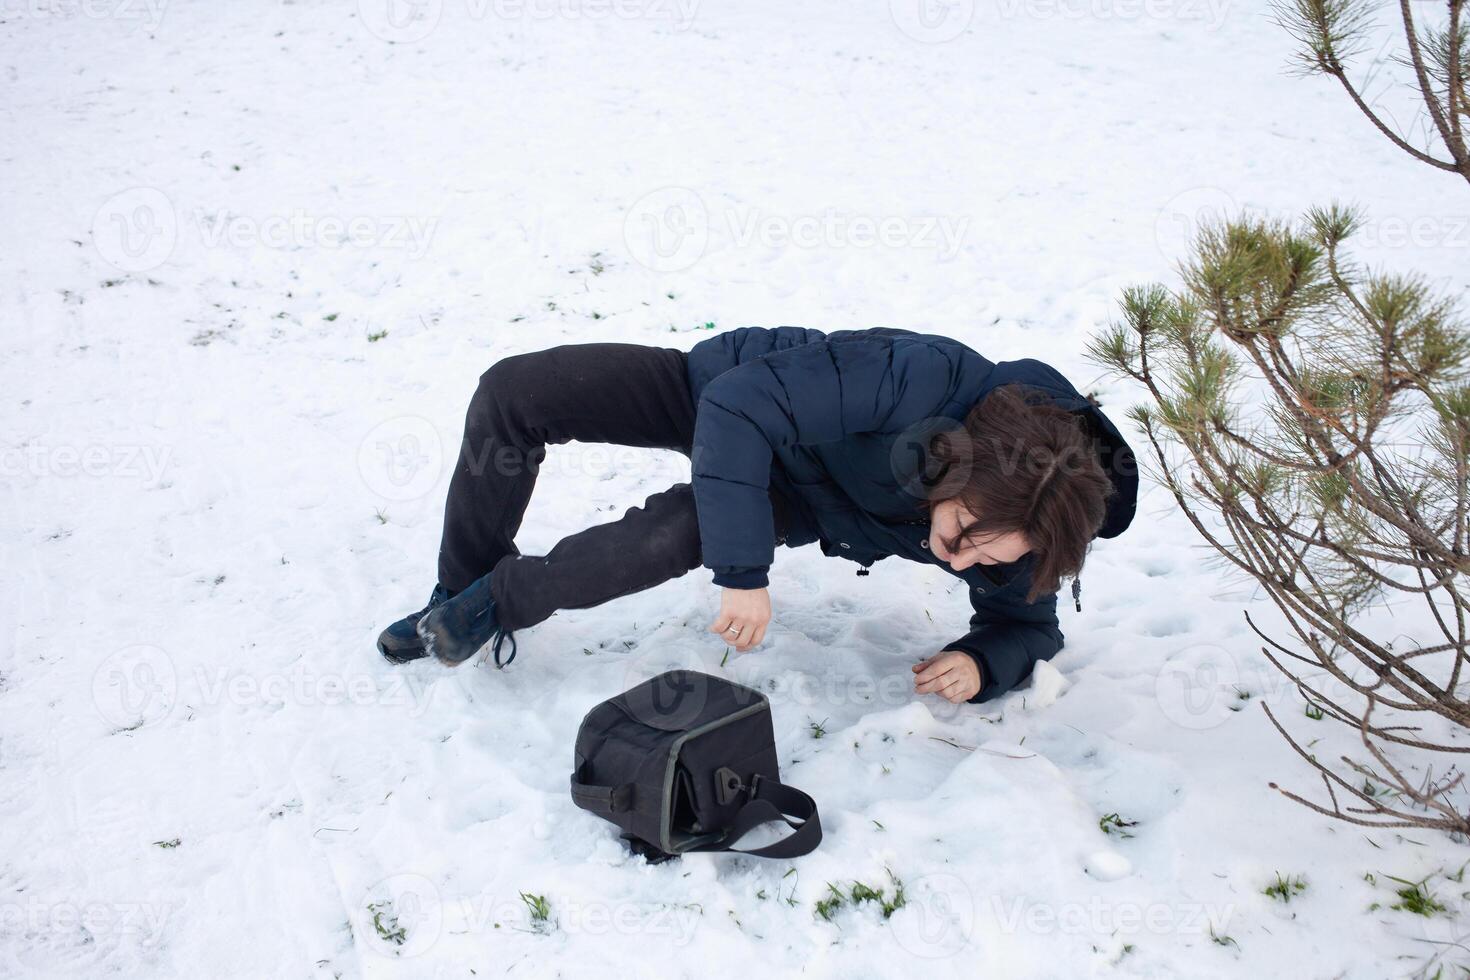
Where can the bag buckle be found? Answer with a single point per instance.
(728, 785)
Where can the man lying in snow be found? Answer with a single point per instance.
(872, 442)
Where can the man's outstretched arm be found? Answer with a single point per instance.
(1008, 636)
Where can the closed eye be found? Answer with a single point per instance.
(960, 543)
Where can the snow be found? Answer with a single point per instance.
(218, 488)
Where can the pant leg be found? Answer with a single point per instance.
(627, 394)
(649, 545)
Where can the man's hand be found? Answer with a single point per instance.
(952, 674)
(744, 615)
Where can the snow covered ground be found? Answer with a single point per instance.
(254, 256)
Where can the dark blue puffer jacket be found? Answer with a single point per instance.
(833, 423)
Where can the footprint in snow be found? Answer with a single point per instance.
(1168, 626)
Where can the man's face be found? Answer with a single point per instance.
(949, 518)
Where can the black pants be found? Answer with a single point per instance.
(625, 394)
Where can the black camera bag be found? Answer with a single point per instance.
(687, 762)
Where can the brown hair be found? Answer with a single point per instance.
(1021, 463)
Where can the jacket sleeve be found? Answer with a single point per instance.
(817, 392)
(1007, 637)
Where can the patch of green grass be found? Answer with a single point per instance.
(1313, 712)
(386, 924)
(827, 907)
(857, 894)
(376, 335)
(1416, 897)
(1285, 888)
(1112, 823)
(818, 728)
(540, 910)
(167, 845)
(1220, 940)
(1369, 789)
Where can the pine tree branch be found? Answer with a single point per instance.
(1392, 669)
(1391, 818)
(1318, 505)
(1337, 72)
(1340, 713)
(1279, 585)
(1454, 43)
(1459, 644)
(1449, 135)
(1288, 597)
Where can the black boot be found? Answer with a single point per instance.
(400, 642)
(454, 631)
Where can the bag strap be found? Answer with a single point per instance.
(772, 800)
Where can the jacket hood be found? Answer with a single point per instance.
(1119, 464)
